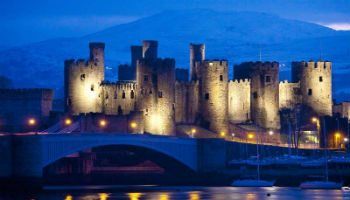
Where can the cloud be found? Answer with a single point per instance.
(339, 26)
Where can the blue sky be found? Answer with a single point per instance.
(26, 21)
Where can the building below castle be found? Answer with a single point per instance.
(167, 97)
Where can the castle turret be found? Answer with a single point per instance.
(156, 92)
(136, 54)
(97, 53)
(197, 54)
(264, 91)
(150, 49)
(315, 85)
(214, 95)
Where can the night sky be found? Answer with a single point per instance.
(25, 21)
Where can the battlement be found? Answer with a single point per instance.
(313, 64)
(97, 45)
(240, 81)
(78, 63)
(215, 62)
(197, 46)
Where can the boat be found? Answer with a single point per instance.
(321, 185)
(252, 183)
(326, 184)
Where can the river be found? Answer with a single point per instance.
(174, 193)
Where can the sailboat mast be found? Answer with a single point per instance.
(257, 154)
(326, 150)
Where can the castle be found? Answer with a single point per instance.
(162, 97)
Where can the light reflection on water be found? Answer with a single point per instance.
(189, 193)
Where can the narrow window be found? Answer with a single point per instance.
(120, 110)
(309, 92)
(132, 94)
(150, 91)
(221, 77)
(115, 95)
(107, 95)
(145, 78)
(255, 95)
(82, 77)
(206, 96)
(92, 87)
(321, 79)
(160, 94)
(123, 95)
(267, 79)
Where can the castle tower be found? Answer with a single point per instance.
(136, 54)
(315, 85)
(264, 91)
(156, 94)
(214, 94)
(150, 49)
(97, 53)
(197, 54)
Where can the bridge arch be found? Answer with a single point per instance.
(182, 151)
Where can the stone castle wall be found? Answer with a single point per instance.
(156, 93)
(83, 86)
(289, 95)
(264, 78)
(213, 95)
(239, 100)
(315, 85)
(119, 98)
(186, 102)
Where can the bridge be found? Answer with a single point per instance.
(26, 155)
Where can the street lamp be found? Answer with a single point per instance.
(103, 123)
(337, 135)
(31, 122)
(222, 134)
(193, 131)
(67, 121)
(133, 125)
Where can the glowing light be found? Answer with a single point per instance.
(67, 122)
(232, 134)
(31, 121)
(346, 139)
(133, 125)
(68, 197)
(337, 135)
(164, 196)
(156, 123)
(193, 131)
(222, 134)
(314, 119)
(134, 196)
(194, 196)
(250, 136)
(103, 123)
(103, 196)
(271, 133)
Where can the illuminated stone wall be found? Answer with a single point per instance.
(119, 98)
(214, 95)
(289, 94)
(156, 94)
(264, 78)
(83, 91)
(239, 101)
(315, 85)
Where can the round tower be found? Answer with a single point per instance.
(264, 91)
(150, 49)
(97, 53)
(213, 97)
(197, 54)
(315, 85)
(156, 94)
